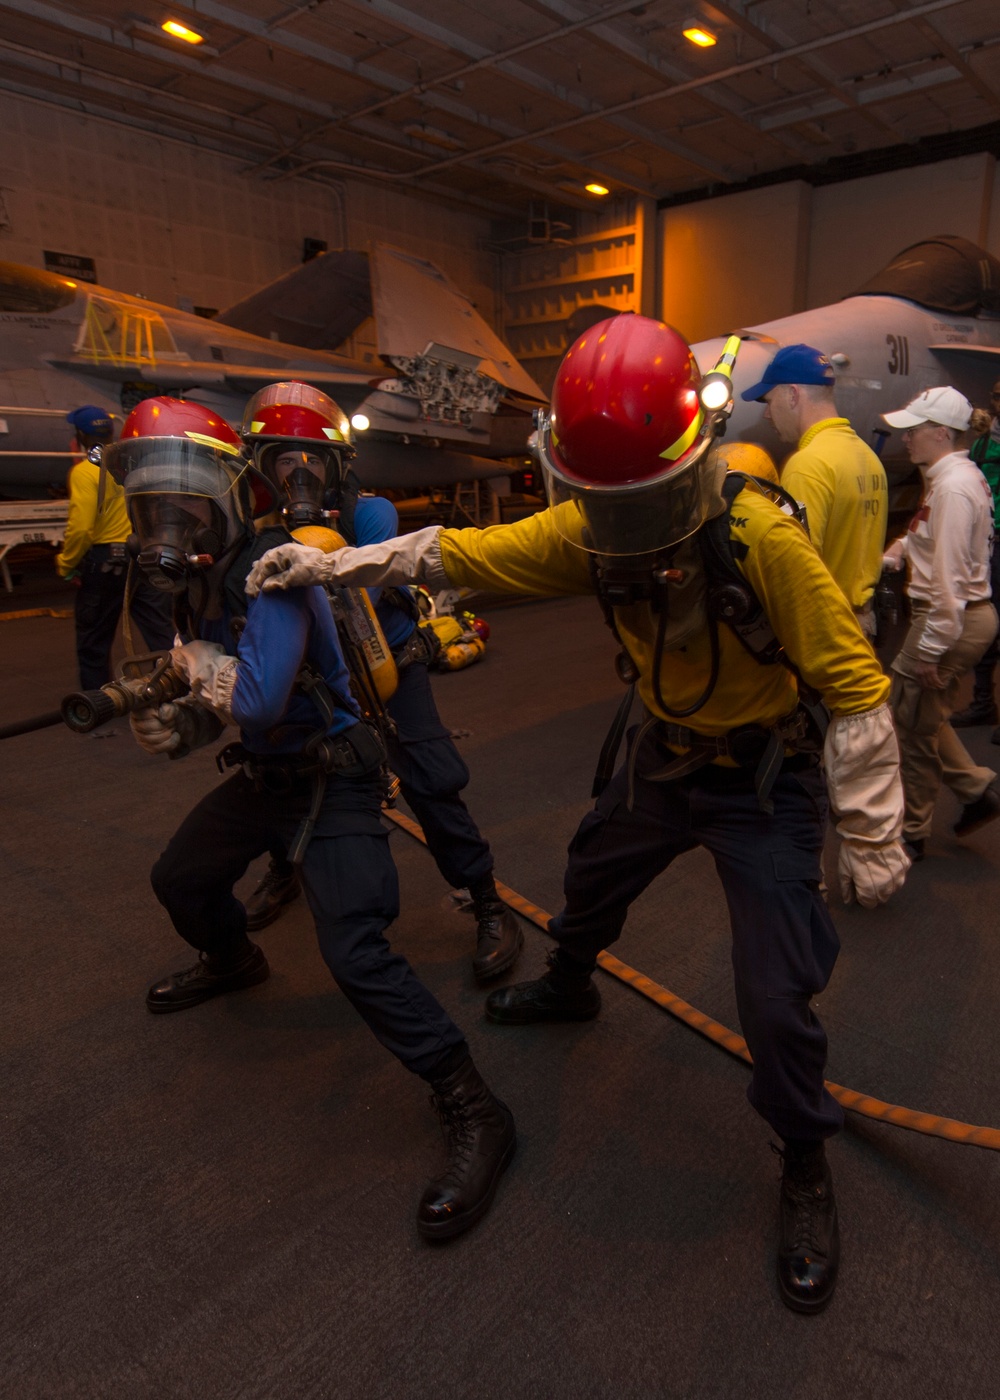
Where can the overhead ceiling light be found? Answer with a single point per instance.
(595, 188)
(181, 31)
(697, 34)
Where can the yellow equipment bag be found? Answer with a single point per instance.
(446, 629)
(461, 654)
(460, 647)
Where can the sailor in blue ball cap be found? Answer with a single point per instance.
(831, 472)
(94, 426)
(94, 557)
(793, 364)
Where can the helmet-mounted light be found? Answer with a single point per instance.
(716, 389)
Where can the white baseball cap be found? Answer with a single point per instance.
(944, 405)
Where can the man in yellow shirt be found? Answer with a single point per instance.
(707, 603)
(94, 552)
(838, 479)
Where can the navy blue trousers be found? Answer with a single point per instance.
(353, 893)
(784, 941)
(432, 774)
(99, 603)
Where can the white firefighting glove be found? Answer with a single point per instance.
(866, 794)
(412, 558)
(169, 727)
(211, 673)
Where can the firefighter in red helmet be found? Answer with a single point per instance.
(731, 629)
(307, 774)
(301, 441)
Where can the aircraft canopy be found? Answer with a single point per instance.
(945, 273)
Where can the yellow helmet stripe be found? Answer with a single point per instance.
(217, 443)
(678, 448)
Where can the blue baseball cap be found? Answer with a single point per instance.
(793, 364)
(92, 421)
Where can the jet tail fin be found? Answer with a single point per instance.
(420, 314)
(317, 305)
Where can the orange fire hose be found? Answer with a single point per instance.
(720, 1035)
(35, 612)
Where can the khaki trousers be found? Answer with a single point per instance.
(930, 751)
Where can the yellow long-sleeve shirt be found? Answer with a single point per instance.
(843, 487)
(807, 610)
(85, 524)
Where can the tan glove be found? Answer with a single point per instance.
(211, 673)
(866, 794)
(167, 728)
(412, 558)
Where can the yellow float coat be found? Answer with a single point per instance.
(85, 524)
(843, 487)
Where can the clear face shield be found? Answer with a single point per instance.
(650, 514)
(186, 504)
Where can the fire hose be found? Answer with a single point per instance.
(863, 1104)
(135, 689)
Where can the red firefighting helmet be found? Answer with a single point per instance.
(296, 416)
(627, 437)
(173, 454)
(182, 445)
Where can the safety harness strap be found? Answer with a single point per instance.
(731, 600)
(612, 743)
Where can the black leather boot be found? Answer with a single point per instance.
(210, 977)
(499, 938)
(976, 814)
(808, 1234)
(480, 1139)
(278, 886)
(554, 997)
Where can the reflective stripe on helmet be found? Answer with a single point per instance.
(678, 448)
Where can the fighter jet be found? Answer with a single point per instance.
(931, 317)
(436, 396)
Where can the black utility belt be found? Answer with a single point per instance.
(108, 558)
(347, 755)
(745, 745)
(759, 753)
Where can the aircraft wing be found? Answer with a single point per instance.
(420, 312)
(206, 373)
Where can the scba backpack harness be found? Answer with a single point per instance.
(729, 599)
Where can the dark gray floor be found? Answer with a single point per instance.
(220, 1204)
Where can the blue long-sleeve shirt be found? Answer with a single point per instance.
(283, 629)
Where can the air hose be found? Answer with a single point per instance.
(863, 1104)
